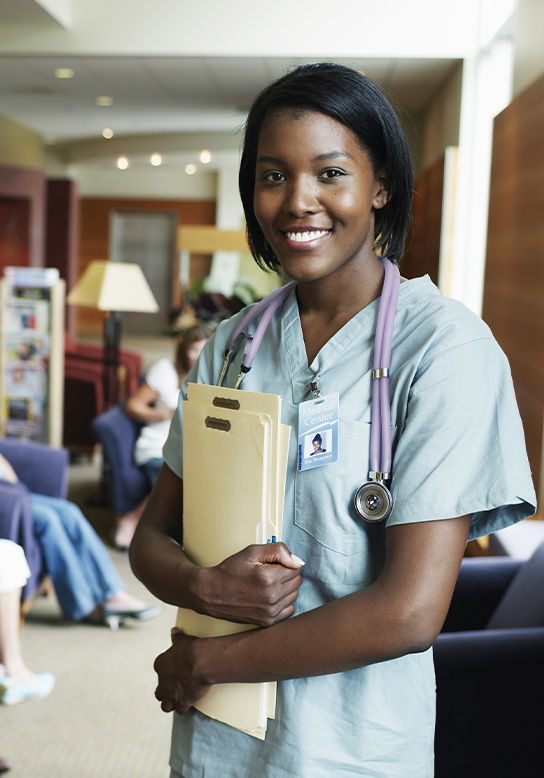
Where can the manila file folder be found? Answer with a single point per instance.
(233, 459)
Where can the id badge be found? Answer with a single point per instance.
(318, 431)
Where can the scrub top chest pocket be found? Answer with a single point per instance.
(324, 505)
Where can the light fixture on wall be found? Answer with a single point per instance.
(113, 287)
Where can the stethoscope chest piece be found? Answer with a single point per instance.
(373, 501)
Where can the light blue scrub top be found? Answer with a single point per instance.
(458, 449)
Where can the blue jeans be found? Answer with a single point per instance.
(82, 571)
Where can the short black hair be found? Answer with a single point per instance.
(356, 101)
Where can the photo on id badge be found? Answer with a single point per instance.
(318, 432)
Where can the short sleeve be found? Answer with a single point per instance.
(462, 449)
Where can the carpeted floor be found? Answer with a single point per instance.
(101, 720)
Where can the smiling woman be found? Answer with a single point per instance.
(326, 184)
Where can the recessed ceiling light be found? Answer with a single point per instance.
(107, 133)
(122, 163)
(156, 159)
(190, 169)
(205, 156)
(64, 73)
(104, 100)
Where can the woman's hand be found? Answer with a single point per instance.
(178, 689)
(258, 585)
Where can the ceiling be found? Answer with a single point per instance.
(157, 95)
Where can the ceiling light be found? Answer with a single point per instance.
(190, 169)
(64, 73)
(205, 156)
(156, 159)
(122, 163)
(107, 133)
(104, 100)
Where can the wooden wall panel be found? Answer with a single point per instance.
(514, 278)
(28, 185)
(423, 244)
(94, 236)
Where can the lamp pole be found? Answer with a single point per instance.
(112, 343)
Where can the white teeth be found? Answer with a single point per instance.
(305, 237)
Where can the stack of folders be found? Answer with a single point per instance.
(234, 467)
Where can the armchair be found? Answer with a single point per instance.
(84, 388)
(41, 469)
(489, 662)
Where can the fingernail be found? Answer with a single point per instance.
(297, 559)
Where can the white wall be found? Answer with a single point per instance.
(157, 183)
(529, 43)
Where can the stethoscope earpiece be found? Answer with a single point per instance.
(373, 501)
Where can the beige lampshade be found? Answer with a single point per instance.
(113, 286)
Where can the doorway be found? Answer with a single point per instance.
(149, 240)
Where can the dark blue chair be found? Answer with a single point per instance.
(41, 469)
(489, 662)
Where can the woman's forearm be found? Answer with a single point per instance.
(402, 612)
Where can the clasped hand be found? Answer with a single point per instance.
(258, 585)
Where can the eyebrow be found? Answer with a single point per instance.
(320, 157)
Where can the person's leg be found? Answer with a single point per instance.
(86, 581)
(151, 468)
(126, 526)
(82, 572)
(17, 682)
(10, 638)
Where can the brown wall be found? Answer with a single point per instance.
(423, 244)
(94, 236)
(22, 207)
(514, 278)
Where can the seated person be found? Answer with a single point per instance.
(17, 682)
(85, 579)
(155, 401)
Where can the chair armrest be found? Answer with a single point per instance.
(42, 468)
(480, 585)
(16, 524)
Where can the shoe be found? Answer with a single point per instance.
(115, 615)
(13, 692)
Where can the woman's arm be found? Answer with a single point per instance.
(256, 586)
(401, 613)
(139, 406)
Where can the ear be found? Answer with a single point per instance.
(381, 192)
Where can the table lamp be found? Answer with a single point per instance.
(113, 287)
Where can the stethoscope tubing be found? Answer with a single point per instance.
(380, 454)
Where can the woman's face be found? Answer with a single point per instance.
(193, 352)
(315, 195)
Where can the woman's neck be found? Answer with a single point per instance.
(326, 305)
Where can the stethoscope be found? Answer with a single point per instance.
(373, 500)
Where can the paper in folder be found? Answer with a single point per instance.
(234, 466)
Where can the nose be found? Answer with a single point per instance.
(301, 196)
